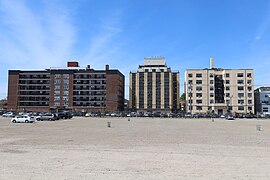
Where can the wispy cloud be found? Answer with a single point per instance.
(41, 39)
(32, 38)
(264, 25)
(104, 46)
(258, 37)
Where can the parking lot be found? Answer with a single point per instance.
(142, 148)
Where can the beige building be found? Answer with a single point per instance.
(219, 90)
(154, 87)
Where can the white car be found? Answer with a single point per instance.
(23, 118)
(9, 114)
(90, 115)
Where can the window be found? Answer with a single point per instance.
(211, 101)
(66, 76)
(199, 108)
(227, 88)
(198, 94)
(56, 92)
(211, 75)
(240, 108)
(249, 101)
(265, 109)
(249, 81)
(249, 88)
(227, 75)
(66, 81)
(250, 108)
(65, 87)
(240, 95)
(199, 75)
(227, 94)
(57, 75)
(240, 101)
(249, 95)
(65, 92)
(211, 94)
(190, 75)
(240, 81)
(65, 98)
(199, 88)
(240, 75)
(198, 81)
(56, 103)
(56, 98)
(240, 88)
(211, 88)
(57, 81)
(189, 81)
(249, 75)
(227, 81)
(56, 87)
(199, 101)
(211, 82)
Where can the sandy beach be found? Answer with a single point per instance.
(142, 148)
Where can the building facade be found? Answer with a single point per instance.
(219, 91)
(262, 101)
(71, 88)
(154, 87)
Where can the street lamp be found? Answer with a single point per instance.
(229, 105)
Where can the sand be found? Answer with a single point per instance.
(142, 148)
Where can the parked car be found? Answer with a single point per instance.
(249, 116)
(90, 115)
(23, 118)
(222, 116)
(229, 117)
(64, 115)
(47, 116)
(9, 114)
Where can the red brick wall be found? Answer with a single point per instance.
(72, 64)
(12, 99)
(114, 93)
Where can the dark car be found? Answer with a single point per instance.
(229, 117)
(64, 115)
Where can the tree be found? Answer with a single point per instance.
(3, 104)
(183, 97)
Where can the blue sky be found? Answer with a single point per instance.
(48, 33)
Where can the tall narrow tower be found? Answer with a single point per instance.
(211, 62)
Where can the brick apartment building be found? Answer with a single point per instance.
(70, 88)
